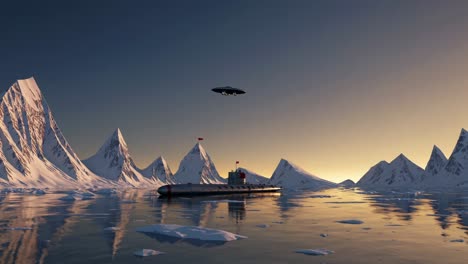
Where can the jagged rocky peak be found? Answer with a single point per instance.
(436, 163)
(159, 170)
(458, 161)
(33, 149)
(197, 167)
(113, 161)
(289, 175)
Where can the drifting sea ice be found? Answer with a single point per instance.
(190, 232)
(147, 252)
(315, 252)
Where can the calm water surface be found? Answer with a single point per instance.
(397, 228)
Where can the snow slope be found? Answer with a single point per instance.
(289, 175)
(197, 167)
(33, 150)
(113, 162)
(400, 173)
(252, 177)
(159, 170)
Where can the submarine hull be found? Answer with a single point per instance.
(212, 189)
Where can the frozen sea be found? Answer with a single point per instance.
(348, 226)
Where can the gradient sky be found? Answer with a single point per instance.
(333, 86)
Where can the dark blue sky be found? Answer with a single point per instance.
(316, 73)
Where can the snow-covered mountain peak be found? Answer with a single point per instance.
(197, 167)
(400, 173)
(33, 149)
(199, 151)
(159, 170)
(252, 177)
(458, 161)
(436, 163)
(113, 161)
(289, 175)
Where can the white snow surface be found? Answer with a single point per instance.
(33, 151)
(291, 176)
(315, 252)
(400, 173)
(113, 162)
(190, 232)
(197, 167)
(439, 173)
(159, 170)
(252, 177)
(147, 252)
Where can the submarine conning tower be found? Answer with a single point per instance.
(236, 177)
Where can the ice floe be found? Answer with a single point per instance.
(195, 235)
(315, 252)
(351, 221)
(147, 252)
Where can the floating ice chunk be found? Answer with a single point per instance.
(315, 252)
(351, 222)
(323, 235)
(147, 252)
(263, 225)
(190, 232)
(457, 241)
(112, 228)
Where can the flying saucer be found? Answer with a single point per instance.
(228, 90)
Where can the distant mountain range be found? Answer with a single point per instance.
(34, 153)
(439, 172)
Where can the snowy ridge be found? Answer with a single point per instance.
(436, 163)
(252, 177)
(159, 170)
(33, 151)
(197, 167)
(289, 175)
(400, 173)
(113, 162)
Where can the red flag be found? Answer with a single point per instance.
(237, 162)
(200, 138)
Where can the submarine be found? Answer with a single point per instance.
(236, 184)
